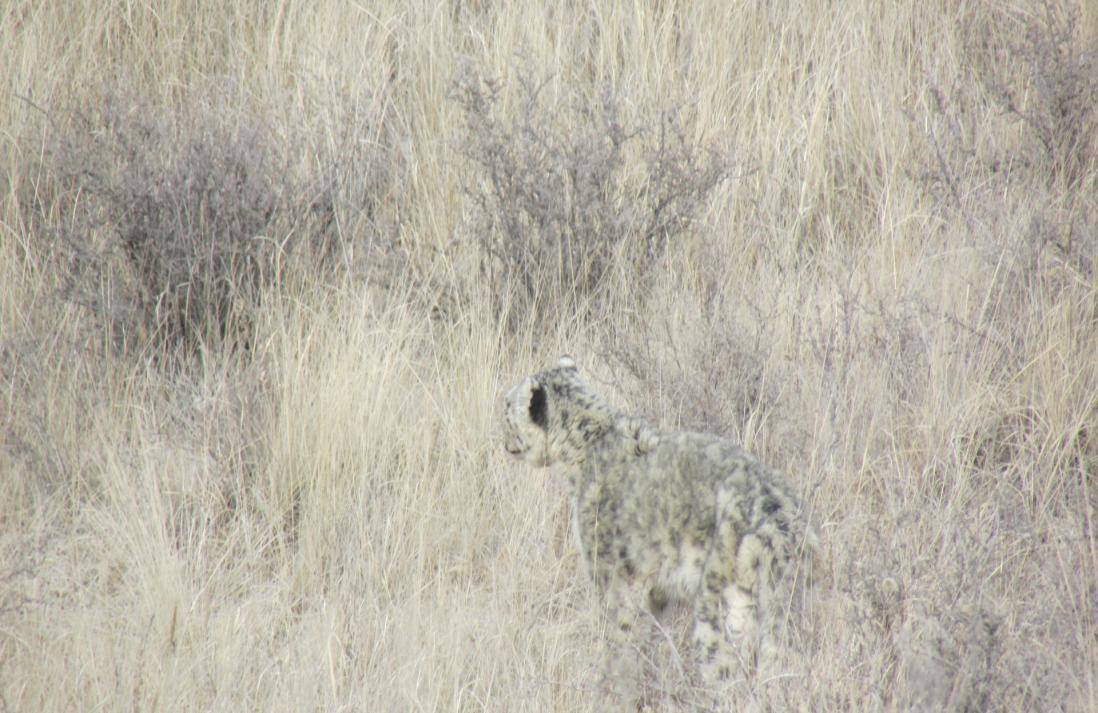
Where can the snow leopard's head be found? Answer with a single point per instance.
(553, 416)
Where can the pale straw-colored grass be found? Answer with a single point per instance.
(318, 518)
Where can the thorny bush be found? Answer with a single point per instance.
(168, 218)
(566, 190)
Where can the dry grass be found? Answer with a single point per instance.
(889, 289)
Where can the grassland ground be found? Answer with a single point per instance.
(266, 268)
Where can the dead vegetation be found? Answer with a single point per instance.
(260, 287)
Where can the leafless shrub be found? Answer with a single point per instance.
(169, 218)
(712, 376)
(1040, 69)
(1056, 95)
(564, 190)
(1019, 119)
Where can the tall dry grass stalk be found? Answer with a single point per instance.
(281, 491)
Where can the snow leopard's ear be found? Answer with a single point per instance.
(567, 362)
(538, 408)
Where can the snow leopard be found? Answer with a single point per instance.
(666, 517)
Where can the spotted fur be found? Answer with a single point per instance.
(667, 517)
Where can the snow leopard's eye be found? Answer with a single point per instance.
(538, 407)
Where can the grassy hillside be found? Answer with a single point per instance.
(267, 268)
